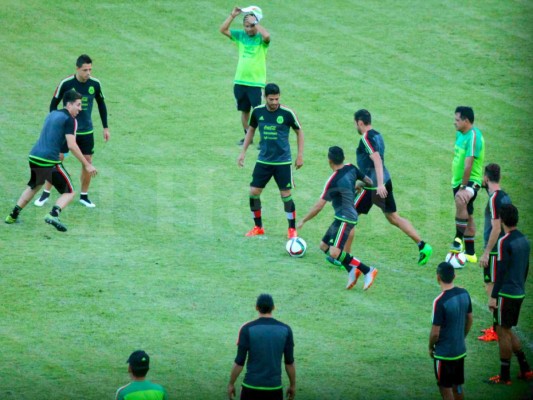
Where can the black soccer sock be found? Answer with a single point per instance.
(469, 245)
(421, 245)
(505, 369)
(350, 262)
(84, 196)
(255, 207)
(56, 210)
(45, 194)
(460, 227)
(16, 211)
(524, 366)
(290, 210)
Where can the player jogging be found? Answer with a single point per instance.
(467, 175)
(340, 190)
(371, 161)
(274, 122)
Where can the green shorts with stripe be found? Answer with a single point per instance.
(508, 311)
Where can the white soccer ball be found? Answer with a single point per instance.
(296, 247)
(457, 260)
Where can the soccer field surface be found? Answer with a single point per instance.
(162, 264)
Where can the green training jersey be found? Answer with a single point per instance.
(251, 68)
(141, 390)
(469, 144)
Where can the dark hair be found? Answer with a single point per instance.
(336, 155)
(363, 115)
(71, 96)
(139, 372)
(509, 215)
(265, 303)
(271, 88)
(83, 59)
(465, 112)
(446, 272)
(492, 171)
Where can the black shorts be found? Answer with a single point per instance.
(489, 273)
(338, 233)
(263, 172)
(84, 142)
(470, 205)
(256, 394)
(449, 373)
(57, 175)
(247, 97)
(508, 311)
(368, 197)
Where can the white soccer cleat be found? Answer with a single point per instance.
(41, 201)
(370, 277)
(87, 203)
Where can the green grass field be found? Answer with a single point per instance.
(162, 263)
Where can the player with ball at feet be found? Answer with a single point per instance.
(340, 190)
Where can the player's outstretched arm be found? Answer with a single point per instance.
(313, 212)
(247, 140)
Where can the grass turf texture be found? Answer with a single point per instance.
(162, 263)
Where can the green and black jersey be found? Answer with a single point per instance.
(469, 144)
(274, 128)
(90, 90)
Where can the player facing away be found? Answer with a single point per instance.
(91, 90)
(492, 232)
(467, 176)
(371, 161)
(45, 165)
(508, 295)
(274, 122)
(451, 321)
(340, 190)
(250, 76)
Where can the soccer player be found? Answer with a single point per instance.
(91, 89)
(371, 161)
(467, 176)
(493, 231)
(250, 77)
(45, 165)
(274, 121)
(508, 294)
(340, 190)
(451, 322)
(140, 387)
(261, 345)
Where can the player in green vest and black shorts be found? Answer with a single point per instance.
(467, 177)
(250, 76)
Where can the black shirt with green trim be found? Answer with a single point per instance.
(46, 150)
(90, 90)
(492, 211)
(450, 310)
(264, 341)
(340, 190)
(274, 128)
(513, 266)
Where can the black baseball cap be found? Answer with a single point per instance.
(139, 359)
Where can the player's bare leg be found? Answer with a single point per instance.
(85, 180)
